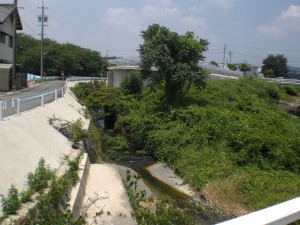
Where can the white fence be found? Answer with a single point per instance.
(22, 104)
(283, 213)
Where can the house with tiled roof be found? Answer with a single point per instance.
(6, 43)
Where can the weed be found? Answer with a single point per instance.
(38, 180)
(11, 203)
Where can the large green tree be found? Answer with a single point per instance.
(72, 59)
(276, 63)
(176, 59)
(244, 68)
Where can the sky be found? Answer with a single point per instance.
(250, 29)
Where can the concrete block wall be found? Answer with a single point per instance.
(76, 196)
(77, 193)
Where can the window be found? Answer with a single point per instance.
(10, 43)
(2, 37)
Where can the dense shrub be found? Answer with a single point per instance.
(83, 89)
(290, 90)
(38, 180)
(11, 203)
(230, 133)
(132, 84)
(108, 102)
(222, 130)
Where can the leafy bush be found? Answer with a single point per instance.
(116, 143)
(290, 90)
(107, 101)
(83, 89)
(11, 203)
(25, 196)
(132, 84)
(222, 130)
(76, 131)
(73, 130)
(38, 180)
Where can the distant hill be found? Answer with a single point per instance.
(294, 72)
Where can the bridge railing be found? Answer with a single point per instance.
(283, 213)
(21, 104)
(3, 106)
(283, 81)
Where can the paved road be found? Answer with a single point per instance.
(24, 94)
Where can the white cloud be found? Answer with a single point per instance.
(157, 11)
(196, 9)
(269, 30)
(224, 4)
(287, 23)
(195, 22)
(293, 12)
(119, 16)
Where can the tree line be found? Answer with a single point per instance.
(72, 59)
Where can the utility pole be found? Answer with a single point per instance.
(224, 56)
(230, 54)
(14, 75)
(42, 19)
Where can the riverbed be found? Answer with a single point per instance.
(159, 179)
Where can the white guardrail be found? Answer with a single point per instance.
(22, 104)
(280, 214)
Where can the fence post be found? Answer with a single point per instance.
(55, 94)
(1, 110)
(18, 106)
(42, 100)
(5, 103)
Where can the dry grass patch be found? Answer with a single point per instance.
(226, 197)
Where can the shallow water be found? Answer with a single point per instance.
(160, 188)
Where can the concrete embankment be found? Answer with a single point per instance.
(27, 138)
(106, 201)
(164, 173)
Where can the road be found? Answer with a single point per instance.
(24, 94)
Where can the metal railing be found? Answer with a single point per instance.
(283, 81)
(3, 106)
(21, 104)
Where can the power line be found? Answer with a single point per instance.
(247, 55)
(270, 49)
(23, 21)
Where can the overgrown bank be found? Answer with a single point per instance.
(230, 141)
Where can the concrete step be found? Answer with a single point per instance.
(106, 201)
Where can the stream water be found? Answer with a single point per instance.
(160, 188)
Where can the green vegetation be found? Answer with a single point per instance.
(275, 66)
(232, 66)
(73, 60)
(132, 84)
(11, 203)
(38, 180)
(230, 140)
(176, 58)
(85, 88)
(161, 211)
(244, 68)
(71, 129)
(214, 63)
(52, 196)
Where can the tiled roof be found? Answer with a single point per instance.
(6, 11)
